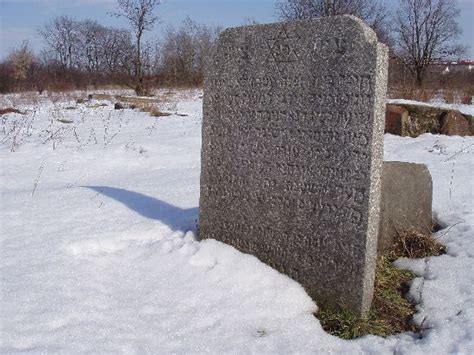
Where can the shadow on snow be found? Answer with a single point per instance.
(178, 219)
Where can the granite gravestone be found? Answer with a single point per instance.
(292, 151)
(405, 202)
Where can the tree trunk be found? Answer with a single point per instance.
(420, 75)
(138, 69)
(139, 86)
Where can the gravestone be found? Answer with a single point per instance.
(406, 199)
(293, 126)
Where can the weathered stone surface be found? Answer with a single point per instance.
(428, 119)
(292, 151)
(395, 119)
(407, 194)
(455, 124)
(422, 119)
(470, 119)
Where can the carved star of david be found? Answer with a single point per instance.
(281, 48)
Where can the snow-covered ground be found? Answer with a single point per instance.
(463, 108)
(98, 252)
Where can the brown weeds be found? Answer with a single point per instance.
(391, 313)
(4, 111)
(413, 244)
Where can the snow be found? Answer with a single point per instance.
(99, 254)
(463, 108)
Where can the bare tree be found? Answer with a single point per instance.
(62, 36)
(373, 12)
(117, 52)
(6, 77)
(21, 60)
(91, 45)
(140, 14)
(427, 31)
(184, 52)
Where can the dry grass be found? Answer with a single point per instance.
(391, 312)
(158, 113)
(102, 97)
(152, 105)
(4, 111)
(413, 244)
(449, 96)
(413, 93)
(138, 101)
(467, 99)
(154, 110)
(97, 105)
(64, 120)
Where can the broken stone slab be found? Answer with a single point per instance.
(470, 119)
(407, 193)
(423, 119)
(395, 119)
(455, 124)
(101, 97)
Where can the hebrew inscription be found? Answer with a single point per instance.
(281, 48)
(292, 151)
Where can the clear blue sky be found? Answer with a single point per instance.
(20, 19)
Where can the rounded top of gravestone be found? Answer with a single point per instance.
(333, 44)
(349, 21)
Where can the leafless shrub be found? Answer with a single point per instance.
(21, 60)
(455, 86)
(38, 177)
(140, 14)
(183, 53)
(427, 31)
(467, 99)
(16, 130)
(373, 12)
(4, 111)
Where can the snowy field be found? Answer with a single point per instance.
(99, 255)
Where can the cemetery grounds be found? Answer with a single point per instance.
(99, 252)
